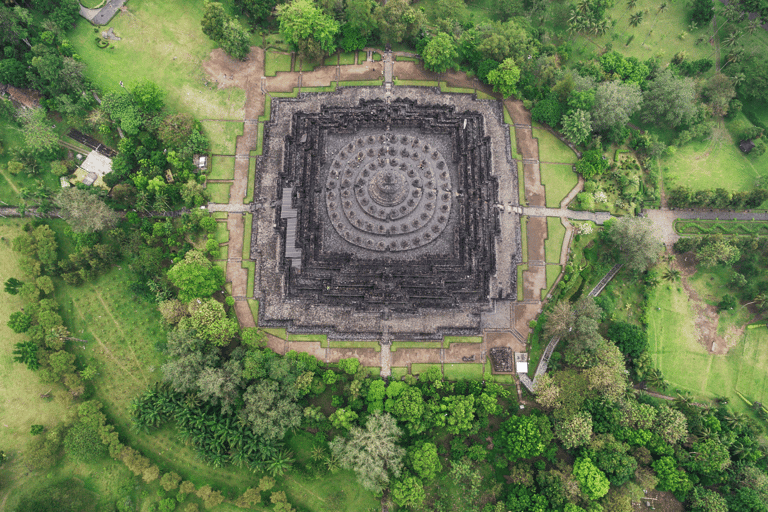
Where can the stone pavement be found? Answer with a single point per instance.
(564, 213)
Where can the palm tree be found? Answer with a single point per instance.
(317, 453)
(671, 275)
(662, 8)
(735, 419)
(280, 463)
(684, 399)
(631, 4)
(332, 463)
(600, 28)
(731, 39)
(754, 25)
(655, 379)
(636, 19)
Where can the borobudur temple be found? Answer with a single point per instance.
(381, 213)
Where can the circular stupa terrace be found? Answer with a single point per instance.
(392, 214)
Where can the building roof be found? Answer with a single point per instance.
(746, 145)
(97, 163)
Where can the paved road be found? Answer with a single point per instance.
(537, 211)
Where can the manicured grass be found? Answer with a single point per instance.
(259, 141)
(361, 83)
(161, 42)
(460, 90)
(686, 364)
(251, 176)
(92, 4)
(524, 235)
(327, 88)
(355, 344)
(274, 62)
(724, 227)
(276, 42)
(347, 58)
(223, 136)
(219, 192)
(401, 58)
(376, 57)
(713, 163)
(507, 117)
(504, 379)
(307, 65)
(222, 233)
(308, 337)
(461, 339)
(331, 60)
(253, 304)
(551, 149)
(277, 333)
(289, 94)
(417, 368)
(219, 215)
(558, 181)
(552, 272)
(398, 372)
(484, 96)
(520, 289)
(267, 109)
(555, 238)
(421, 83)
(464, 371)
(223, 252)
(222, 168)
(415, 344)
(516, 156)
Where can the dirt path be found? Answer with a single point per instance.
(14, 187)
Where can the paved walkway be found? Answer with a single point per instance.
(564, 213)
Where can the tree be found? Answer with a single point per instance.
(349, 365)
(719, 91)
(560, 320)
(425, 461)
(670, 424)
(258, 10)
(214, 20)
(398, 21)
(210, 321)
(271, 409)
(591, 164)
(592, 481)
(175, 130)
(83, 442)
(361, 16)
(631, 339)
(440, 53)
(236, 41)
(20, 322)
(702, 12)
(303, 26)
(38, 131)
(196, 276)
(670, 477)
(523, 437)
(372, 453)
(343, 418)
(504, 78)
(718, 251)
(84, 211)
(669, 100)
(709, 458)
(634, 242)
(12, 286)
(409, 408)
(408, 492)
(705, 500)
(26, 353)
(614, 104)
(755, 83)
(574, 431)
(577, 125)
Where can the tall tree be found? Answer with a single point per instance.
(614, 104)
(669, 100)
(399, 21)
(634, 242)
(307, 28)
(196, 276)
(372, 453)
(504, 78)
(85, 212)
(38, 131)
(440, 53)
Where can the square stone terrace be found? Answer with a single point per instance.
(342, 322)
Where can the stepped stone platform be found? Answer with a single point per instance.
(388, 212)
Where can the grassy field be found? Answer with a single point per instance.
(222, 168)
(464, 371)
(347, 58)
(552, 149)
(219, 192)
(274, 62)
(223, 136)
(162, 42)
(687, 365)
(552, 272)
(712, 163)
(415, 344)
(555, 238)
(558, 181)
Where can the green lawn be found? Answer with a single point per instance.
(222, 233)
(274, 62)
(552, 149)
(223, 136)
(464, 371)
(716, 162)
(686, 364)
(552, 272)
(355, 344)
(219, 192)
(422, 83)
(222, 168)
(520, 289)
(347, 58)
(398, 372)
(555, 238)
(417, 368)
(558, 181)
(461, 339)
(400, 58)
(161, 42)
(415, 344)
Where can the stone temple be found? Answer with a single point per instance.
(385, 213)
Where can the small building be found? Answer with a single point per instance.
(521, 362)
(746, 146)
(200, 161)
(93, 169)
